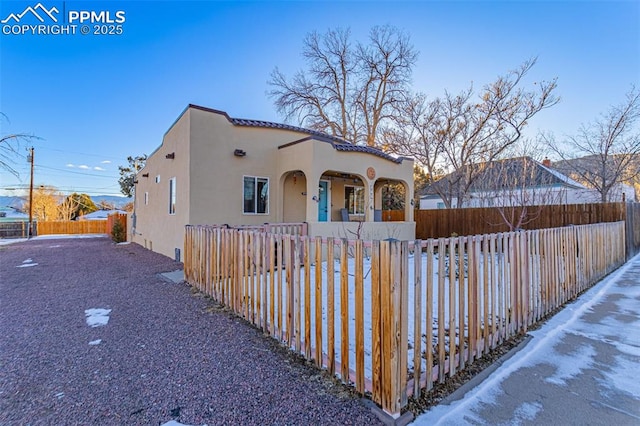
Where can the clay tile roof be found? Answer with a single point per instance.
(336, 142)
(369, 150)
(271, 125)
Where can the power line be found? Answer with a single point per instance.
(82, 153)
(74, 172)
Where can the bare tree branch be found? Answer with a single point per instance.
(10, 147)
(460, 136)
(348, 91)
(605, 152)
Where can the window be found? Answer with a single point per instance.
(256, 195)
(158, 179)
(146, 198)
(354, 199)
(172, 196)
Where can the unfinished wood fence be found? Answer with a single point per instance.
(394, 317)
(471, 221)
(392, 215)
(114, 218)
(72, 227)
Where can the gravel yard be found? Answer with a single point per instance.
(164, 353)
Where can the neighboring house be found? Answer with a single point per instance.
(512, 182)
(622, 168)
(100, 214)
(215, 169)
(11, 214)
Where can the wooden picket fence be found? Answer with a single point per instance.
(72, 227)
(394, 317)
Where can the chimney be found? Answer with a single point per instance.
(546, 162)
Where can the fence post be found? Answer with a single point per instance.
(394, 306)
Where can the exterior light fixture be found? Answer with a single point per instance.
(239, 153)
(145, 175)
(170, 156)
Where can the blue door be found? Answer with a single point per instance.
(323, 205)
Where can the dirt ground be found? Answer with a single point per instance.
(165, 353)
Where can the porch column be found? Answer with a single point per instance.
(378, 197)
(408, 203)
(368, 200)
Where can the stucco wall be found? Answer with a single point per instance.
(315, 157)
(210, 178)
(217, 174)
(155, 228)
(294, 197)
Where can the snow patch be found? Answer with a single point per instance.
(97, 317)
(124, 243)
(69, 236)
(26, 265)
(174, 423)
(55, 246)
(572, 364)
(623, 377)
(6, 242)
(569, 320)
(95, 342)
(528, 411)
(28, 260)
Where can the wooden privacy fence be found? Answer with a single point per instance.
(632, 219)
(113, 218)
(394, 317)
(473, 221)
(392, 215)
(72, 227)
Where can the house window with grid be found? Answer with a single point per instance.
(354, 199)
(172, 196)
(255, 195)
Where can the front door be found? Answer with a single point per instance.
(323, 203)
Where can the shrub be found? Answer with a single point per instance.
(118, 232)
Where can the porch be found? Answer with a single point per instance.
(344, 194)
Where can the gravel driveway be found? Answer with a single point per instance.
(165, 353)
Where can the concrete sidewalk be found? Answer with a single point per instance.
(582, 367)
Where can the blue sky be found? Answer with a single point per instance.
(95, 99)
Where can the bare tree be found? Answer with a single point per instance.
(76, 205)
(10, 148)
(106, 205)
(348, 90)
(519, 188)
(45, 203)
(460, 135)
(606, 152)
(68, 208)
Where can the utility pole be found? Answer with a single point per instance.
(30, 159)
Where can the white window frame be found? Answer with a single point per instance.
(158, 179)
(172, 196)
(355, 210)
(255, 185)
